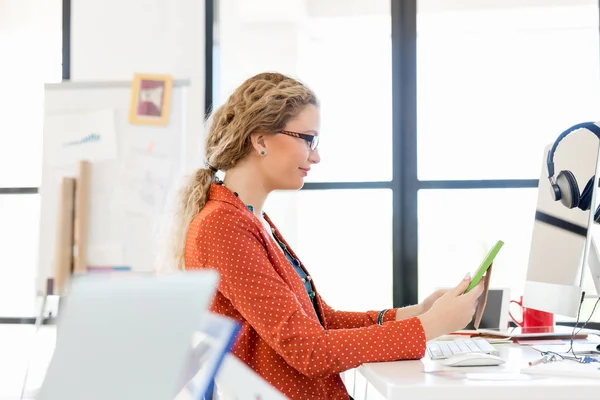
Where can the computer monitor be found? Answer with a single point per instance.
(562, 236)
(126, 336)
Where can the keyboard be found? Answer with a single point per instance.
(439, 350)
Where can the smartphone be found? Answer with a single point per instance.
(485, 264)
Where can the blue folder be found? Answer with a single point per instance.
(212, 342)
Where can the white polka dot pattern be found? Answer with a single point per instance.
(281, 337)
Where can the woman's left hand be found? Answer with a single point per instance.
(428, 302)
(421, 308)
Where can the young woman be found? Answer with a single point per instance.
(265, 138)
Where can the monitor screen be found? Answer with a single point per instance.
(559, 242)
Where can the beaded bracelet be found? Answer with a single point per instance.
(380, 316)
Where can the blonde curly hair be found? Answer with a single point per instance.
(264, 102)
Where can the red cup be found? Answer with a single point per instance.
(532, 318)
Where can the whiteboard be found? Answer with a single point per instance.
(131, 175)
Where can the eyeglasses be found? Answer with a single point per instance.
(312, 140)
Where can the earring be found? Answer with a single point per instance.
(263, 153)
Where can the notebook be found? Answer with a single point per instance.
(547, 333)
(565, 368)
(483, 298)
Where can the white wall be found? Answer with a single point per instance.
(113, 39)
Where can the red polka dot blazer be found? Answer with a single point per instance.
(281, 337)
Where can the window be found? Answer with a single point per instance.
(340, 241)
(350, 70)
(34, 25)
(497, 82)
(458, 227)
(20, 218)
(341, 222)
(443, 133)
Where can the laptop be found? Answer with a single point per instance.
(126, 337)
(495, 315)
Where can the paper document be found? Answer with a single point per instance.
(106, 255)
(578, 348)
(75, 136)
(565, 368)
(497, 376)
(144, 183)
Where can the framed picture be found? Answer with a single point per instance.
(150, 99)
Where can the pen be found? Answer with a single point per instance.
(542, 360)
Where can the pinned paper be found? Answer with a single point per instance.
(143, 183)
(483, 298)
(77, 136)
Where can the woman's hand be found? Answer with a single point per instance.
(432, 298)
(452, 311)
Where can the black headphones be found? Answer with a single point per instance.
(564, 187)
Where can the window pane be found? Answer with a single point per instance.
(497, 82)
(31, 49)
(344, 238)
(21, 113)
(342, 52)
(31, 45)
(19, 236)
(356, 96)
(458, 227)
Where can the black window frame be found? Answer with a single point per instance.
(405, 184)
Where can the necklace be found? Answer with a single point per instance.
(248, 206)
(304, 277)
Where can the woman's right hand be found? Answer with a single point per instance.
(453, 311)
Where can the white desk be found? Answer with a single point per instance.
(427, 379)
(22, 349)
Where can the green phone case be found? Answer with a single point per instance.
(485, 264)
